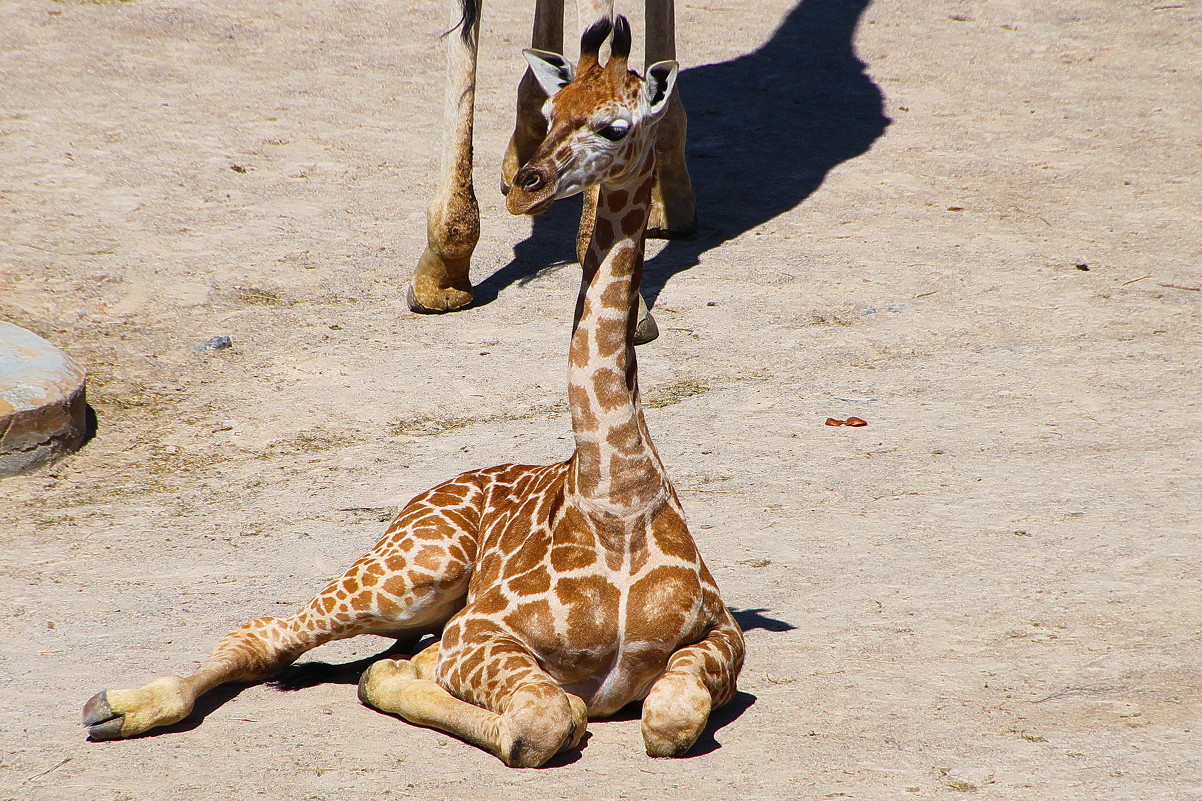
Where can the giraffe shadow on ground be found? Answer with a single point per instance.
(749, 619)
(302, 675)
(764, 130)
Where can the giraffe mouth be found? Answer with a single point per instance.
(521, 201)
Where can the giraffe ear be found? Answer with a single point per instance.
(661, 82)
(552, 71)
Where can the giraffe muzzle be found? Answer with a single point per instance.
(532, 192)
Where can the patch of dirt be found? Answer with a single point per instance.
(991, 590)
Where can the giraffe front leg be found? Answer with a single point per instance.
(531, 127)
(699, 679)
(441, 282)
(525, 718)
(673, 204)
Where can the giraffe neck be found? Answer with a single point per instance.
(615, 470)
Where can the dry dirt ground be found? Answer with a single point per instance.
(974, 225)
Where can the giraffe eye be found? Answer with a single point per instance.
(615, 130)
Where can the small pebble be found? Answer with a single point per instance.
(219, 342)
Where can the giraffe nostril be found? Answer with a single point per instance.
(531, 181)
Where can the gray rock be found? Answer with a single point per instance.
(219, 342)
(43, 411)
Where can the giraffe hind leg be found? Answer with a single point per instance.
(385, 592)
(252, 652)
(531, 127)
(673, 203)
(441, 281)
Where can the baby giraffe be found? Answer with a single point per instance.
(563, 591)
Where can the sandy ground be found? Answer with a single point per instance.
(982, 237)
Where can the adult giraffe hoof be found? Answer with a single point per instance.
(438, 302)
(102, 722)
(660, 227)
(440, 282)
(646, 330)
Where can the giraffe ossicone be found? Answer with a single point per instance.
(563, 591)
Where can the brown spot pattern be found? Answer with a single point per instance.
(632, 221)
(616, 201)
(610, 389)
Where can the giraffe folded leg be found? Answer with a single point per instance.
(531, 723)
(699, 679)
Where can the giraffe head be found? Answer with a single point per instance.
(600, 119)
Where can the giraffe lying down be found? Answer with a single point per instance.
(563, 591)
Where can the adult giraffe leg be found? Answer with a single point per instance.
(699, 679)
(441, 282)
(522, 715)
(673, 205)
(531, 127)
(410, 583)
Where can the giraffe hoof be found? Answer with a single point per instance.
(682, 232)
(659, 227)
(452, 300)
(102, 722)
(646, 330)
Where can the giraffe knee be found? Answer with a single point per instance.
(538, 721)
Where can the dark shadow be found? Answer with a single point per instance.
(90, 425)
(764, 130)
(550, 246)
(749, 619)
(569, 757)
(719, 718)
(310, 674)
